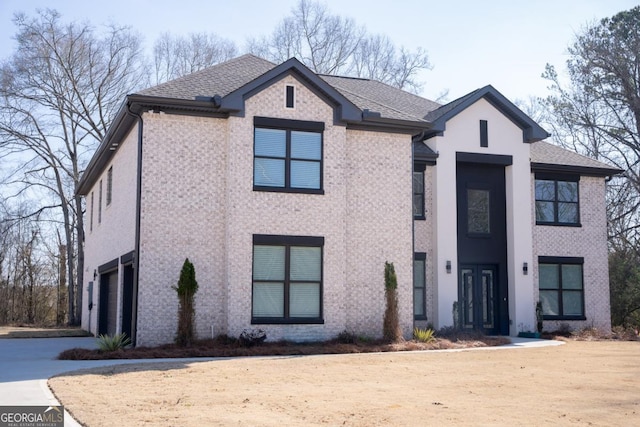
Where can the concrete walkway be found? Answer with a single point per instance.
(26, 365)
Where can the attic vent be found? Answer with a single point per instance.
(290, 92)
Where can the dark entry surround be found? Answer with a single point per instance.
(482, 243)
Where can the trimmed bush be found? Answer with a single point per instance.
(186, 290)
(391, 324)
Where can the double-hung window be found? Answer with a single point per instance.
(557, 201)
(560, 282)
(287, 155)
(287, 279)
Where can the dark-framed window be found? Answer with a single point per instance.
(100, 202)
(557, 200)
(418, 191)
(109, 185)
(287, 155)
(561, 287)
(290, 96)
(419, 286)
(287, 279)
(91, 213)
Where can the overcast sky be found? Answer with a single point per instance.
(471, 43)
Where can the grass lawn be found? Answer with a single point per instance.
(579, 383)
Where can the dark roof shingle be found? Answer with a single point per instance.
(220, 79)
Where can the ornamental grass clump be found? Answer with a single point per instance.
(112, 342)
(424, 335)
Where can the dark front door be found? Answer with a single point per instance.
(482, 247)
(127, 300)
(478, 291)
(108, 304)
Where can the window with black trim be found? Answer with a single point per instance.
(419, 286)
(418, 191)
(557, 200)
(100, 203)
(109, 185)
(287, 279)
(290, 96)
(287, 155)
(91, 213)
(560, 282)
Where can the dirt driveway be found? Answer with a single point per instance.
(579, 383)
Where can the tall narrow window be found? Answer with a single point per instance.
(290, 96)
(287, 279)
(91, 213)
(561, 287)
(418, 193)
(100, 202)
(484, 134)
(287, 155)
(419, 286)
(109, 185)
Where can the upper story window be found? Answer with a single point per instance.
(290, 96)
(100, 202)
(109, 185)
(287, 155)
(91, 213)
(557, 200)
(560, 281)
(418, 191)
(287, 279)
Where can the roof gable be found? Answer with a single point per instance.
(345, 110)
(531, 131)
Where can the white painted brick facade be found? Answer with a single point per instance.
(587, 241)
(114, 235)
(198, 202)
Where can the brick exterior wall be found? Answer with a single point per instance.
(423, 235)
(587, 241)
(114, 236)
(198, 202)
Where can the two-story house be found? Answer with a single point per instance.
(289, 190)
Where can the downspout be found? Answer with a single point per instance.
(413, 238)
(136, 258)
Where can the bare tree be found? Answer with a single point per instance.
(331, 44)
(176, 56)
(58, 93)
(597, 113)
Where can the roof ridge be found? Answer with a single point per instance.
(377, 102)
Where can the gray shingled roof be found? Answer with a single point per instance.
(546, 153)
(226, 77)
(379, 97)
(220, 79)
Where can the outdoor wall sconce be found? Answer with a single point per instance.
(525, 268)
(95, 274)
(448, 266)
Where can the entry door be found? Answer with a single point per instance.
(478, 293)
(482, 247)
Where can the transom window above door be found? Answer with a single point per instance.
(287, 155)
